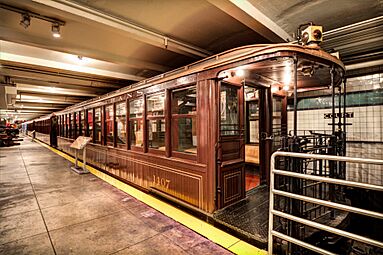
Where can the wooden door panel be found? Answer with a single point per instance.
(231, 184)
(230, 154)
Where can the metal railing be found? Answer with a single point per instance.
(331, 204)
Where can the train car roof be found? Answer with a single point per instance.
(221, 59)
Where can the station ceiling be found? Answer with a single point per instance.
(105, 45)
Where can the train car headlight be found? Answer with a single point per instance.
(312, 34)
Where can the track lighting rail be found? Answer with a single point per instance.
(32, 14)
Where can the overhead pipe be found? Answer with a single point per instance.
(364, 65)
(354, 27)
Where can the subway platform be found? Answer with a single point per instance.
(45, 208)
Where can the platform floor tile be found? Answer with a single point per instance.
(45, 208)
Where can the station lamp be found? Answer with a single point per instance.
(26, 16)
(240, 73)
(274, 88)
(312, 35)
(25, 20)
(56, 30)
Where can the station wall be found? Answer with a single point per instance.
(365, 134)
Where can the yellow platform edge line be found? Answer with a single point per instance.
(203, 228)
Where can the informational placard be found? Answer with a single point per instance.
(80, 142)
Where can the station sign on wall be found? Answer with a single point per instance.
(347, 114)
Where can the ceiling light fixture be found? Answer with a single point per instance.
(26, 16)
(25, 20)
(240, 73)
(286, 88)
(274, 89)
(56, 30)
(52, 89)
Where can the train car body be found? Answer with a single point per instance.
(194, 133)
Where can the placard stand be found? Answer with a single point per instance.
(80, 144)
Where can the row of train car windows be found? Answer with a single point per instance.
(117, 124)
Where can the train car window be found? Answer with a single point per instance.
(156, 105)
(76, 125)
(121, 124)
(73, 125)
(64, 126)
(97, 125)
(109, 121)
(68, 132)
(184, 121)
(277, 123)
(59, 125)
(69, 126)
(155, 109)
(90, 123)
(136, 109)
(253, 122)
(82, 123)
(229, 110)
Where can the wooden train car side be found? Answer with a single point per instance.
(183, 133)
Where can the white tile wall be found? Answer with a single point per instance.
(367, 173)
(367, 126)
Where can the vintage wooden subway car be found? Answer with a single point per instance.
(201, 134)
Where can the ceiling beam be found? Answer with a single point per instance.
(55, 77)
(37, 106)
(21, 53)
(47, 99)
(48, 84)
(248, 14)
(10, 34)
(25, 111)
(51, 96)
(21, 87)
(137, 32)
(20, 116)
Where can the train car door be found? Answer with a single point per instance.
(265, 125)
(230, 150)
(252, 138)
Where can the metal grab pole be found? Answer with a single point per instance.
(271, 206)
(333, 166)
(332, 71)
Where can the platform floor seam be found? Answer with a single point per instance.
(38, 204)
